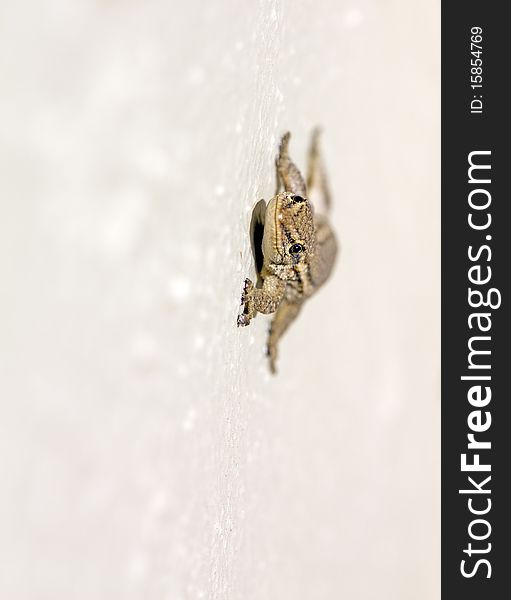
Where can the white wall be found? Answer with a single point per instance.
(146, 451)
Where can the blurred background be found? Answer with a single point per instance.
(146, 451)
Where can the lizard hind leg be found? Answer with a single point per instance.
(285, 315)
(317, 180)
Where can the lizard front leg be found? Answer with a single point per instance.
(287, 171)
(285, 315)
(316, 176)
(264, 300)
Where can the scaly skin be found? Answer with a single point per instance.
(298, 247)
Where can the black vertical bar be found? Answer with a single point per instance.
(464, 132)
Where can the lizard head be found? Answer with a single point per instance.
(288, 239)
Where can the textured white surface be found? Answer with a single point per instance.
(146, 451)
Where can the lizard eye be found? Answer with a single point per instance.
(296, 249)
(297, 199)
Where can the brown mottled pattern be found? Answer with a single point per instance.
(299, 248)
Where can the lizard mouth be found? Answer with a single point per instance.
(278, 225)
(280, 230)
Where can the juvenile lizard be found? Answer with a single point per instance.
(294, 249)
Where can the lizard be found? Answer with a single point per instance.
(294, 249)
